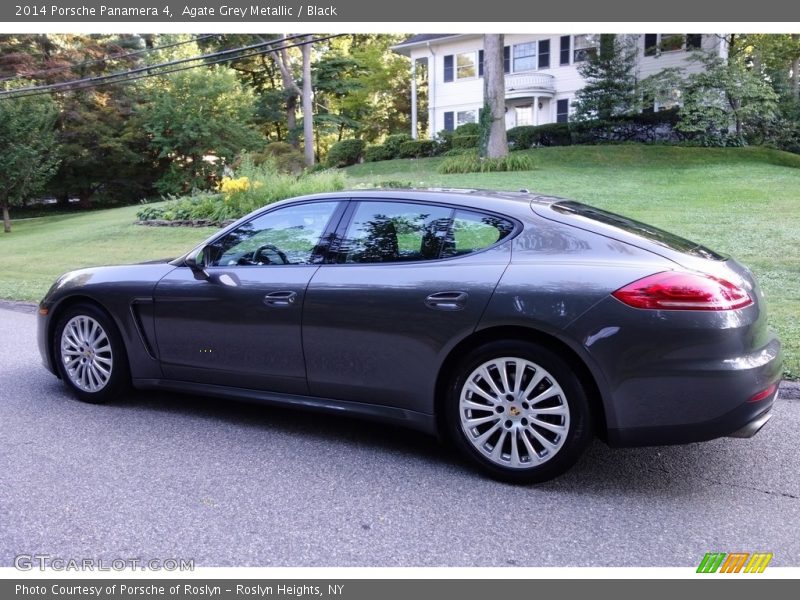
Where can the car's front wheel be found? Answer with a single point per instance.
(90, 354)
(518, 411)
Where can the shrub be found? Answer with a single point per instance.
(444, 139)
(465, 141)
(468, 129)
(472, 163)
(252, 187)
(393, 142)
(529, 136)
(417, 149)
(376, 153)
(345, 153)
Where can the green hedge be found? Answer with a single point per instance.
(345, 153)
(418, 149)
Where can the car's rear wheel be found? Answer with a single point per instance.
(518, 411)
(90, 354)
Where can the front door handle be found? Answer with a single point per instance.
(280, 299)
(447, 300)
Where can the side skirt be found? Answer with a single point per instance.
(374, 412)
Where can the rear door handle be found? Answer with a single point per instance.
(280, 299)
(447, 300)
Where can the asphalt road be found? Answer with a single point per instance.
(227, 484)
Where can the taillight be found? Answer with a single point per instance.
(683, 291)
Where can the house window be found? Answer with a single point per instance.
(466, 66)
(666, 99)
(524, 114)
(449, 120)
(562, 111)
(544, 54)
(466, 116)
(448, 68)
(656, 43)
(694, 41)
(565, 43)
(525, 57)
(506, 61)
(586, 46)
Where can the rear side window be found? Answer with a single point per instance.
(648, 232)
(390, 232)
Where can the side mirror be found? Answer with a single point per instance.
(197, 270)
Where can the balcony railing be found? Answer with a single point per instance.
(522, 84)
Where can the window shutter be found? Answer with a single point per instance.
(448, 121)
(694, 41)
(448, 67)
(544, 54)
(650, 44)
(564, 49)
(480, 63)
(507, 59)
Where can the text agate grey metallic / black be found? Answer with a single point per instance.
(490, 318)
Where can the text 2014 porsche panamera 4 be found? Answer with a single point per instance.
(516, 326)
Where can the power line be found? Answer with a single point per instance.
(143, 73)
(33, 74)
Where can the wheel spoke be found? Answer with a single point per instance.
(549, 426)
(481, 439)
(475, 421)
(535, 380)
(476, 390)
(487, 377)
(529, 447)
(551, 391)
(543, 440)
(502, 368)
(515, 460)
(497, 451)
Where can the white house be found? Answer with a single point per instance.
(541, 72)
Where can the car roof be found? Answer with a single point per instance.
(472, 198)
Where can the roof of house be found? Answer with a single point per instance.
(419, 39)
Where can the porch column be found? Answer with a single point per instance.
(536, 110)
(414, 98)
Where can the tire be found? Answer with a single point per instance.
(90, 355)
(493, 423)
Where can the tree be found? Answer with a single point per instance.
(611, 88)
(197, 121)
(493, 143)
(308, 108)
(27, 137)
(725, 97)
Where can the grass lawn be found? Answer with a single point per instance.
(741, 201)
(38, 250)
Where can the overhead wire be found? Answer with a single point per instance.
(146, 71)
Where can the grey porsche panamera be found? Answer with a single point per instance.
(515, 326)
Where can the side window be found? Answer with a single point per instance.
(382, 232)
(472, 231)
(287, 236)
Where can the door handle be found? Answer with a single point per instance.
(280, 299)
(447, 300)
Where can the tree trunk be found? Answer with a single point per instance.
(493, 121)
(6, 218)
(284, 63)
(308, 107)
(796, 67)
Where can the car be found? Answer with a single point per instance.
(515, 326)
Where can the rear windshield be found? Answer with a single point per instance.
(653, 234)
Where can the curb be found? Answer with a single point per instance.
(789, 390)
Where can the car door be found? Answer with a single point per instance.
(406, 282)
(240, 326)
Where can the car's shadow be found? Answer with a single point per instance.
(647, 471)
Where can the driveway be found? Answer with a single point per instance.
(226, 484)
